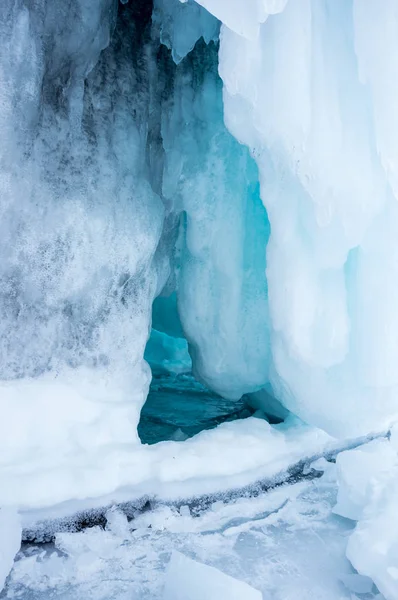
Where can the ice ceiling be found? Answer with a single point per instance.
(237, 162)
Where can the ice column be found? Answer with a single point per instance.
(79, 231)
(311, 91)
(212, 182)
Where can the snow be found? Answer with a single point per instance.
(234, 455)
(10, 541)
(187, 579)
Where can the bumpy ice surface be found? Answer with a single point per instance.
(286, 543)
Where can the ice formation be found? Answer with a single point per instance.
(285, 542)
(368, 494)
(10, 541)
(217, 177)
(306, 96)
(187, 579)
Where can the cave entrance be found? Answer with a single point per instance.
(178, 406)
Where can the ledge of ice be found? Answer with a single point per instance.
(232, 456)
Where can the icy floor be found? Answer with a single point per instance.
(286, 543)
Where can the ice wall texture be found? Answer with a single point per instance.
(120, 182)
(220, 253)
(80, 228)
(310, 87)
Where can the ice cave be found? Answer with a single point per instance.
(199, 299)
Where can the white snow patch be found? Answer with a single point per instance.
(233, 455)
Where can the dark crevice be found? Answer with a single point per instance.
(45, 531)
(178, 407)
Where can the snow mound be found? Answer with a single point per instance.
(234, 455)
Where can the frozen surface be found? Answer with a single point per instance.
(233, 455)
(286, 543)
(187, 579)
(321, 125)
(10, 541)
(360, 474)
(368, 493)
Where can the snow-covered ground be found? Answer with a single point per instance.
(287, 543)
